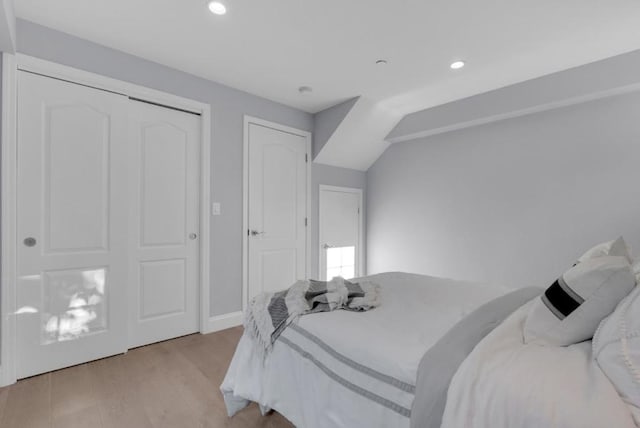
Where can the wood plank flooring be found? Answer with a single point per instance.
(172, 384)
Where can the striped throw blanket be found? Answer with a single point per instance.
(269, 314)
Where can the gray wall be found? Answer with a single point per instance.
(332, 176)
(228, 106)
(514, 202)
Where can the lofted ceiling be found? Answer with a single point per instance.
(270, 48)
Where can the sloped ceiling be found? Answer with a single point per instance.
(357, 142)
(359, 138)
(599, 79)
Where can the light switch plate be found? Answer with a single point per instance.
(215, 208)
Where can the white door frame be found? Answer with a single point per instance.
(360, 255)
(10, 66)
(248, 120)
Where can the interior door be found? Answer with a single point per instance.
(340, 226)
(164, 223)
(277, 209)
(72, 224)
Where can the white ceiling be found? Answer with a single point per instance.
(270, 48)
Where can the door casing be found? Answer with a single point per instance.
(248, 120)
(10, 65)
(360, 271)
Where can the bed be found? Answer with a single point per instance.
(505, 383)
(370, 369)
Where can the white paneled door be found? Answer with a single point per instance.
(277, 208)
(72, 224)
(108, 199)
(340, 232)
(164, 222)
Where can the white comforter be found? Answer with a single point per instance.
(345, 369)
(505, 383)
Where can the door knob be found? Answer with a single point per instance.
(193, 236)
(256, 233)
(30, 242)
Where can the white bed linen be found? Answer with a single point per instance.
(306, 380)
(504, 383)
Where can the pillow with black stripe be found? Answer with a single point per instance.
(570, 310)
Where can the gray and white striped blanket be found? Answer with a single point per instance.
(269, 314)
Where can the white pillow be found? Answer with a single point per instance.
(570, 310)
(617, 247)
(616, 348)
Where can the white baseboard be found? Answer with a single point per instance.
(222, 322)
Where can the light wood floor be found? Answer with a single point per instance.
(172, 384)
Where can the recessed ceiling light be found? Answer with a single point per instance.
(456, 65)
(217, 8)
(381, 62)
(305, 90)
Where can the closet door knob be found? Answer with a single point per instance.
(30, 242)
(193, 236)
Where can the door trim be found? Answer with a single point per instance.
(9, 212)
(360, 271)
(10, 66)
(248, 120)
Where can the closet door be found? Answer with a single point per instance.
(165, 225)
(72, 224)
